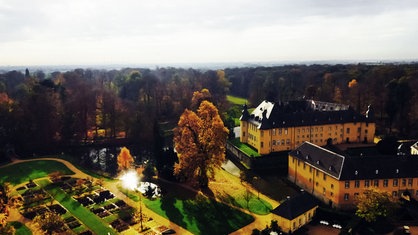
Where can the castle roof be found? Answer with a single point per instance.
(347, 167)
(295, 206)
(269, 115)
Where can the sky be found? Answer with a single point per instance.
(74, 32)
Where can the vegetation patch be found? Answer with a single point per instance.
(195, 212)
(236, 100)
(97, 225)
(21, 229)
(248, 150)
(32, 170)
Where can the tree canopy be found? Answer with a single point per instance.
(200, 139)
(373, 203)
(125, 159)
(49, 222)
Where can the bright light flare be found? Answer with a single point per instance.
(130, 180)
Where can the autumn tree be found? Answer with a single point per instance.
(199, 140)
(5, 203)
(49, 222)
(125, 159)
(372, 204)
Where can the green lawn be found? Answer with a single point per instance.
(245, 148)
(195, 212)
(248, 201)
(236, 100)
(21, 229)
(92, 221)
(32, 170)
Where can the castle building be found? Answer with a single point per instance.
(295, 212)
(414, 149)
(336, 178)
(275, 127)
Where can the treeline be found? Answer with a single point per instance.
(44, 111)
(41, 111)
(391, 89)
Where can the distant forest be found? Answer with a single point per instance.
(41, 111)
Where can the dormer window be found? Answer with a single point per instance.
(318, 162)
(377, 172)
(397, 171)
(356, 172)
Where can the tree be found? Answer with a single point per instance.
(372, 204)
(55, 176)
(125, 159)
(6, 228)
(199, 140)
(49, 221)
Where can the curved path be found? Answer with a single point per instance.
(260, 221)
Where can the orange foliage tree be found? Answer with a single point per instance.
(199, 140)
(125, 159)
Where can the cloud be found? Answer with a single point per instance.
(181, 30)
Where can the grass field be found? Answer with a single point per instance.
(21, 229)
(195, 212)
(93, 222)
(245, 148)
(32, 170)
(236, 100)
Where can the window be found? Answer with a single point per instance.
(317, 172)
(395, 193)
(285, 131)
(274, 132)
(304, 165)
(410, 182)
(346, 196)
(356, 195)
(347, 184)
(323, 191)
(395, 182)
(366, 183)
(332, 186)
(243, 133)
(348, 130)
(325, 176)
(404, 182)
(310, 169)
(274, 142)
(262, 144)
(356, 184)
(376, 183)
(331, 193)
(280, 131)
(385, 183)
